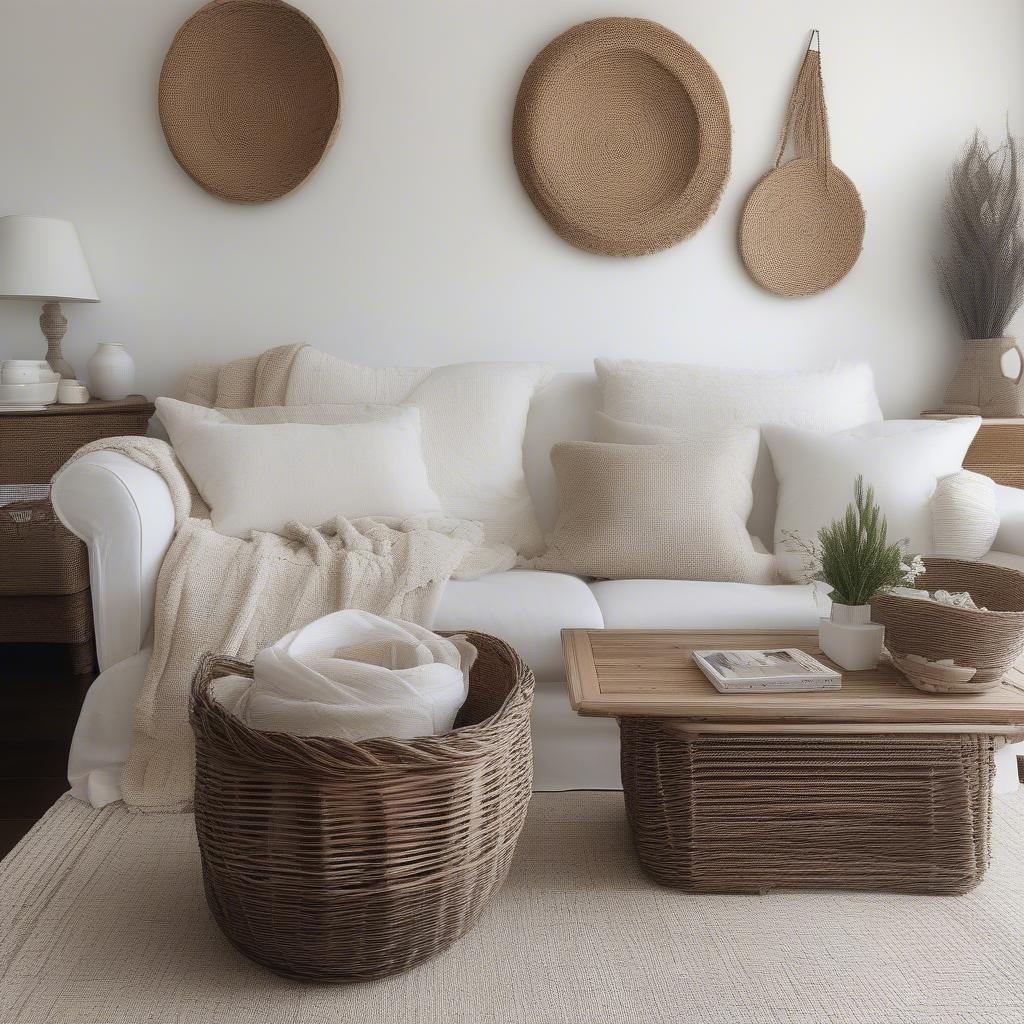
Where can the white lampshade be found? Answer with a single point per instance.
(42, 258)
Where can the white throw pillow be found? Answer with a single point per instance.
(259, 476)
(473, 418)
(903, 460)
(709, 399)
(660, 511)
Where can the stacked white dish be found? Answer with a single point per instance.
(26, 385)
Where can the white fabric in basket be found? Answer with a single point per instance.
(353, 676)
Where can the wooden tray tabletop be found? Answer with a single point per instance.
(616, 672)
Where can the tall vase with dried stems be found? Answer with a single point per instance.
(982, 274)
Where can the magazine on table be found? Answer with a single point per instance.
(781, 669)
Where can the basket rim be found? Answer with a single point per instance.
(1004, 572)
(464, 744)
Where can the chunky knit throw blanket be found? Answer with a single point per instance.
(235, 597)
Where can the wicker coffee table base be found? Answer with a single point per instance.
(747, 813)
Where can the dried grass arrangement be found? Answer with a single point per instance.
(981, 275)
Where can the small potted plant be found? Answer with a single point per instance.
(855, 559)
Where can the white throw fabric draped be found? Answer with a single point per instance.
(353, 675)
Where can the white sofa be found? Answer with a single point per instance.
(123, 513)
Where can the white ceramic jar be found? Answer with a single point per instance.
(111, 371)
(850, 638)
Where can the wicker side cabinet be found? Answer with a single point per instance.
(997, 451)
(44, 569)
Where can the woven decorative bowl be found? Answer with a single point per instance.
(989, 642)
(335, 861)
(621, 136)
(250, 98)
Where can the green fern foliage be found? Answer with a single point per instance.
(857, 560)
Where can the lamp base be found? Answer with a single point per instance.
(54, 325)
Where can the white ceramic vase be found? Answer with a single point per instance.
(111, 371)
(850, 638)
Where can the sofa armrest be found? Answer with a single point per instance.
(1010, 506)
(124, 513)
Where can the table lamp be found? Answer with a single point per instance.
(42, 258)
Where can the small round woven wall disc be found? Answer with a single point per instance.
(250, 98)
(801, 232)
(621, 136)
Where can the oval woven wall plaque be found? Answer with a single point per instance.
(802, 227)
(250, 98)
(621, 136)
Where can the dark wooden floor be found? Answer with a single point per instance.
(39, 704)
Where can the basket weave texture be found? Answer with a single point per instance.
(621, 136)
(250, 98)
(990, 642)
(39, 555)
(751, 813)
(335, 861)
(802, 226)
(35, 445)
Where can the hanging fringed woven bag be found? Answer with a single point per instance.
(802, 227)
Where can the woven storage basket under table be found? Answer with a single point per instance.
(39, 555)
(990, 642)
(334, 861)
(750, 813)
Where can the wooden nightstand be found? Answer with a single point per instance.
(998, 450)
(44, 569)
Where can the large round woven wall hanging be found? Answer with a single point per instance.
(250, 98)
(802, 227)
(621, 136)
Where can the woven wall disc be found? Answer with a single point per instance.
(621, 136)
(801, 233)
(250, 98)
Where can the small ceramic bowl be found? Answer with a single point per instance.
(28, 396)
(20, 371)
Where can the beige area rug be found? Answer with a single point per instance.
(104, 922)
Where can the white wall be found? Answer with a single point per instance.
(414, 241)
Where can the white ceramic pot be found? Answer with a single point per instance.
(111, 371)
(850, 638)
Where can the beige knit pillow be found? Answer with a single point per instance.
(659, 511)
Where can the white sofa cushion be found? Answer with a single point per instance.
(261, 476)
(686, 604)
(903, 460)
(527, 609)
(662, 511)
(473, 418)
(715, 398)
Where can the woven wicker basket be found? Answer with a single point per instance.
(335, 861)
(39, 556)
(990, 642)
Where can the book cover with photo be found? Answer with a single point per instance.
(784, 669)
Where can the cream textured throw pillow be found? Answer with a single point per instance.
(662, 511)
(259, 476)
(177, 417)
(473, 417)
(904, 460)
